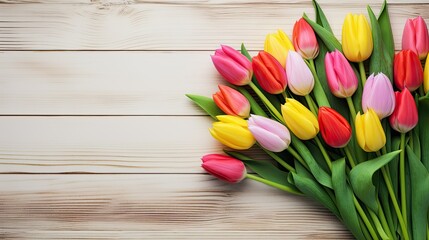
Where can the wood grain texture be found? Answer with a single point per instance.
(105, 144)
(106, 83)
(156, 206)
(149, 26)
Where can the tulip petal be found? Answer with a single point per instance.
(267, 139)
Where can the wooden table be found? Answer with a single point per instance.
(98, 140)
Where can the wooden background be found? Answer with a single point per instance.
(97, 139)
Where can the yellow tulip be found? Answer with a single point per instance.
(369, 132)
(356, 38)
(299, 119)
(278, 44)
(426, 74)
(232, 131)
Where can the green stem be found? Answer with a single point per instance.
(402, 179)
(384, 220)
(365, 219)
(318, 91)
(395, 203)
(324, 153)
(296, 155)
(266, 102)
(377, 224)
(284, 95)
(310, 104)
(351, 108)
(349, 156)
(362, 73)
(279, 160)
(273, 184)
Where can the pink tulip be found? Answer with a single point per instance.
(405, 116)
(304, 40)
(232, 102)
(272, 135)
(378, 95)
(232, 65)
(415, 37)
(342, 80)
(224, 167)
(300, 78)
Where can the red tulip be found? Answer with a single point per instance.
(335, 129)
(232, 102)
(269, 73)
(407, 70)
(224, 167)
(304, 40)
(405, 116)
(415, 37)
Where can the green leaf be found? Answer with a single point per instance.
(314, 190)
(361, 178)
(419, 195)
(327, 37)
(424, 133)
(207, 104)
(321, 176)
(255, 108)
(344, 197)
(379, 61)
(245, 52)
(386, 31)
(264, 169)
(321, 18)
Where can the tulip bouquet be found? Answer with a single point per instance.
(370, 163)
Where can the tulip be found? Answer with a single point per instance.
(300, 78)
(269, 73)
(271, 134)
(356, 38)
(304, 40)
(224, 167)
(278, 44)
(233, 132)
(378, 95)
(232, 102)
(299, 119)
(369, 132)
(407, 70)
(415, 37)
(405, 116)
(334, 128)
(232, 65)
(342, 80)
(426, 75)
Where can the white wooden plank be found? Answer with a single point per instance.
(156, 206)
(167, 26)
(107, 83)
(105, 144)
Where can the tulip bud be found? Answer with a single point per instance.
(378, 95)
(233, 132)
(224, 167)
(232, 102)
(334, 128)
(426, 75)
(299, 119)
(271, 134)
(407, 70)
(369, 132)
(356, 38)
(300, 78)
(304, 40)
(415, 37)
(278, 44)
(342, 80)
(232, 65)
(269, 73)
(405, 116)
